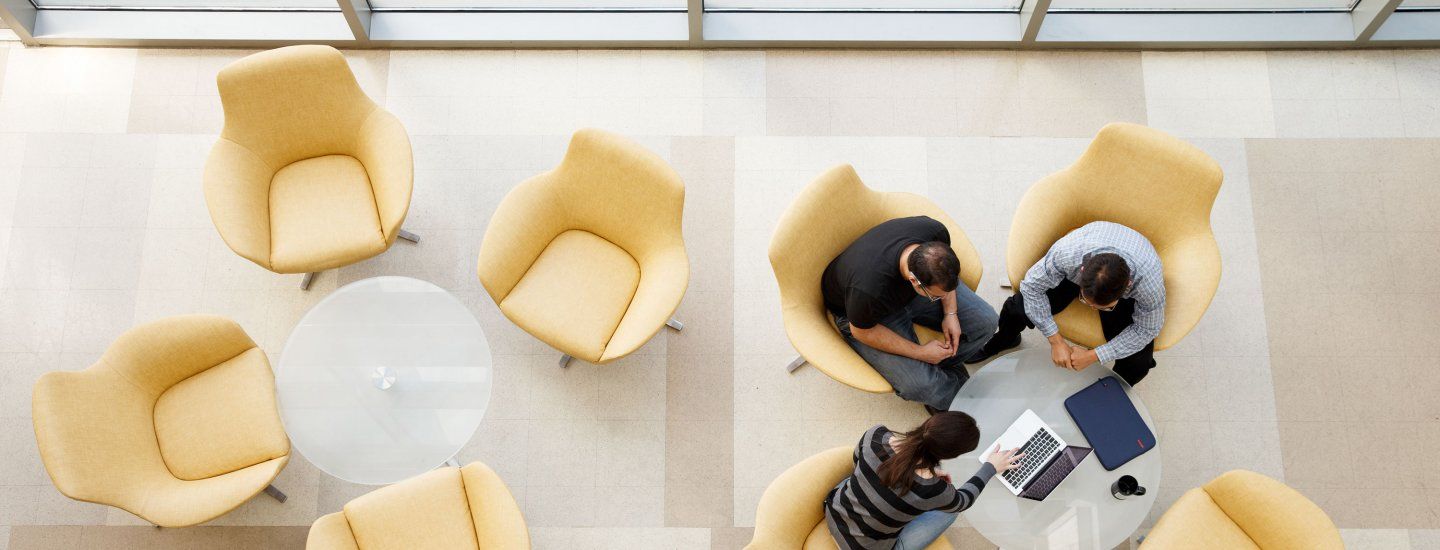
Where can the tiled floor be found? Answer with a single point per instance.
(1310, 364)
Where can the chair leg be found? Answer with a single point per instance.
(309, 278)
(403, 234)
(275, 493)
(675, 324)
(565, 361)
(797, 363)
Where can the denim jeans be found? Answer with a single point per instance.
(916, 380)
(923, 530)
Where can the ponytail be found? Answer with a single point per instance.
(943, 436)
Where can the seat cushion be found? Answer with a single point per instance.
(1195, 521)
(820, 539)
(322, 215)
(426, 512)
(221, 420)
(575, 294)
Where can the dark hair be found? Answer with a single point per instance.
(1103, 278)
(934, 263)
(943, 436)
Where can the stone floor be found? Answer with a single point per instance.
(1327, 224)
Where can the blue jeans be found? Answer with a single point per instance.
(923, 530)
(916, 380)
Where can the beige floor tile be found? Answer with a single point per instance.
(1316, 454)
(1379, 539)
(43, 505)
(41, 258)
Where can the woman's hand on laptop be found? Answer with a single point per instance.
(1004, 460)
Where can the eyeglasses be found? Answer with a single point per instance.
(917, 284)
(1110, 307)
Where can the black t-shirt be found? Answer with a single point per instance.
(864, 283)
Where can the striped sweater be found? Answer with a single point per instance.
(864, 514)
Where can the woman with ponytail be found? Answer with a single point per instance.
(898, 497)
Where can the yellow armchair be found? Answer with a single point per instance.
(444, 509)
(589, 257)
(177, 423)
(309, 174)
(1148, 181)
(829, 214)
(1243, 509)
(791, 515)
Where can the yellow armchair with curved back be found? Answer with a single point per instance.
(791, 514)
(1243, 509)
(589, 257)
(826, 217)
(467, 508)
(309, 174)
(177, 423)
(1144, 179)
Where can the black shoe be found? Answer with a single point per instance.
(992, 349)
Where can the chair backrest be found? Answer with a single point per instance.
(792, 505)
(1145, 179)
(613, 187)
(293, 103)
(828, 215)
(1271, 513)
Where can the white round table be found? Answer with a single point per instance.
(384, 379)
(1080, 513)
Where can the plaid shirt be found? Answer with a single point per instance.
(1063, 262)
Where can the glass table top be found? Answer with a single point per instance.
(1080, 513)
(384, 379)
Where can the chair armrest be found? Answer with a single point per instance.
(816, 339)
(96, 436)
(498, 522)
(237, 193)
(171, 502)
(331, 532)
(793, 504)
(383, 148)
(1192, 274)
(663, 278)
(527, 219)
(1273, 514)
(159, 354)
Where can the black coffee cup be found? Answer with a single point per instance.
(1125, 487)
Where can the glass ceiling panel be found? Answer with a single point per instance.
(868, 5)
(1203, 5)
(328, 5)
(440, 5)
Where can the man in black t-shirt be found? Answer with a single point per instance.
(900, 273)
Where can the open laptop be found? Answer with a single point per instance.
(1048, 460)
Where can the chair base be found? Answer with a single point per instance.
(275, 493)
(309, 278)
(675, 324)
(565, 361)
(797, 363)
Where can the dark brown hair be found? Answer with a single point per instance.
(934, 263)
(942, 437)
(1103, 278)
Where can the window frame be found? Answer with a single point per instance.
(1372, 23)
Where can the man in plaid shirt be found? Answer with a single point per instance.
(1112, 269)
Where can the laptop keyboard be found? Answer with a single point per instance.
(1036, 450)
(1051, 477)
